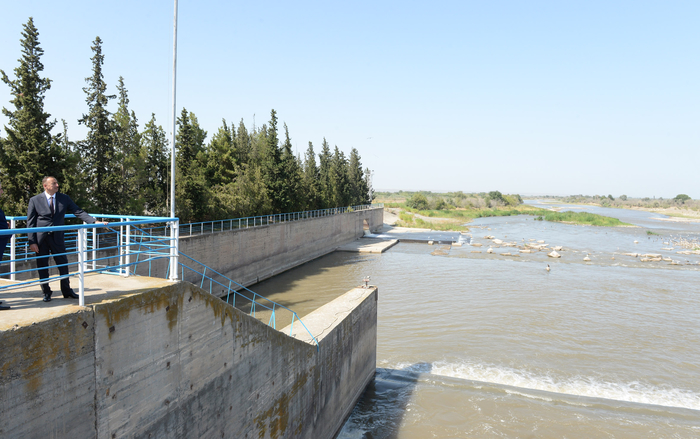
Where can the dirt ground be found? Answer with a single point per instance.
(690, 216)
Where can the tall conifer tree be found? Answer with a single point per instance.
(324, 159)
(154, 181)
(129, 164)
(357, 186)
(311, 178)
(100, 159)
(271, 166)
(222, 156)
(292, 177)
(191, 191)
(339, 179)
(29, 152)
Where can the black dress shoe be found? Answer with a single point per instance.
(70, 295)
(47, 297)
(4, 307)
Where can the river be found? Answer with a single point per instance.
(485, 345)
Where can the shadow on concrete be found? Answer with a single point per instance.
(381, 408)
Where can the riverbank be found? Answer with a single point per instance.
(457, 219)
(678, 214)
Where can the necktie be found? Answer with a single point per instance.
(51, 205)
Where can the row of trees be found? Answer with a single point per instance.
(427, 200)
(121, 169)
(680, 201)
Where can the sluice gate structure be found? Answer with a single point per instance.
(170, 359)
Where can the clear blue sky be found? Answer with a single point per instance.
(530, 97)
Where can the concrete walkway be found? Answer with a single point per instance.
(28, 306)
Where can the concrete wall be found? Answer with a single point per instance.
(178, 362)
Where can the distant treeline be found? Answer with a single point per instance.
(122, 169)
(680, 201)
(427, 200)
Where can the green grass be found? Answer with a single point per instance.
(469, 214)
(583, 218)
(408, 220)
(649, 232)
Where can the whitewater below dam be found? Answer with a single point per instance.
(477, 344)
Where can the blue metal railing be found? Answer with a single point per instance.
(123, 248)
(201, 228)
(231, 289)
(113, 242)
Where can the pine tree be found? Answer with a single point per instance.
(222, 156)
(100, 159)
(191, 190)
(154, 181)
(270, 158)
(311, 179)
(292, 177)
(243, 144)
(70, 177)
(357, 186)
(326, 190)
(29, 152)
(339, 180)
(129, 164)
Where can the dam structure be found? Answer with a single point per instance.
(149, 356)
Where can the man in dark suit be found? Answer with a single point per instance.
(48, 209)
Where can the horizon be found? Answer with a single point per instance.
(525, 194)
(582, 98)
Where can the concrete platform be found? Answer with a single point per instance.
(368, 245)
(27, 306)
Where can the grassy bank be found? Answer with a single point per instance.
(407, 219)
(581, 218)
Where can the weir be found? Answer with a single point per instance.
(150, 357)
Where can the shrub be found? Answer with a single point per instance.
(440, 204)
(418, 201)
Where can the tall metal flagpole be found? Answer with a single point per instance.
(172, 133)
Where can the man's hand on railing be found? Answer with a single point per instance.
(34, 248)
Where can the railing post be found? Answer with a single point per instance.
(127, 250)
(119, 245)
(82, 254)
(13, 253)
(174, 248)
(94, 247)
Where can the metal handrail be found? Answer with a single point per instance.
(233, 287)
(200, 228)
(132, 247)
(168, 249)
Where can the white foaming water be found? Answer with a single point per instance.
(635, 392)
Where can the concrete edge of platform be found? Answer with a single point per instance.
(368, 245)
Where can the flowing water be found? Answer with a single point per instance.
(486, 345)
